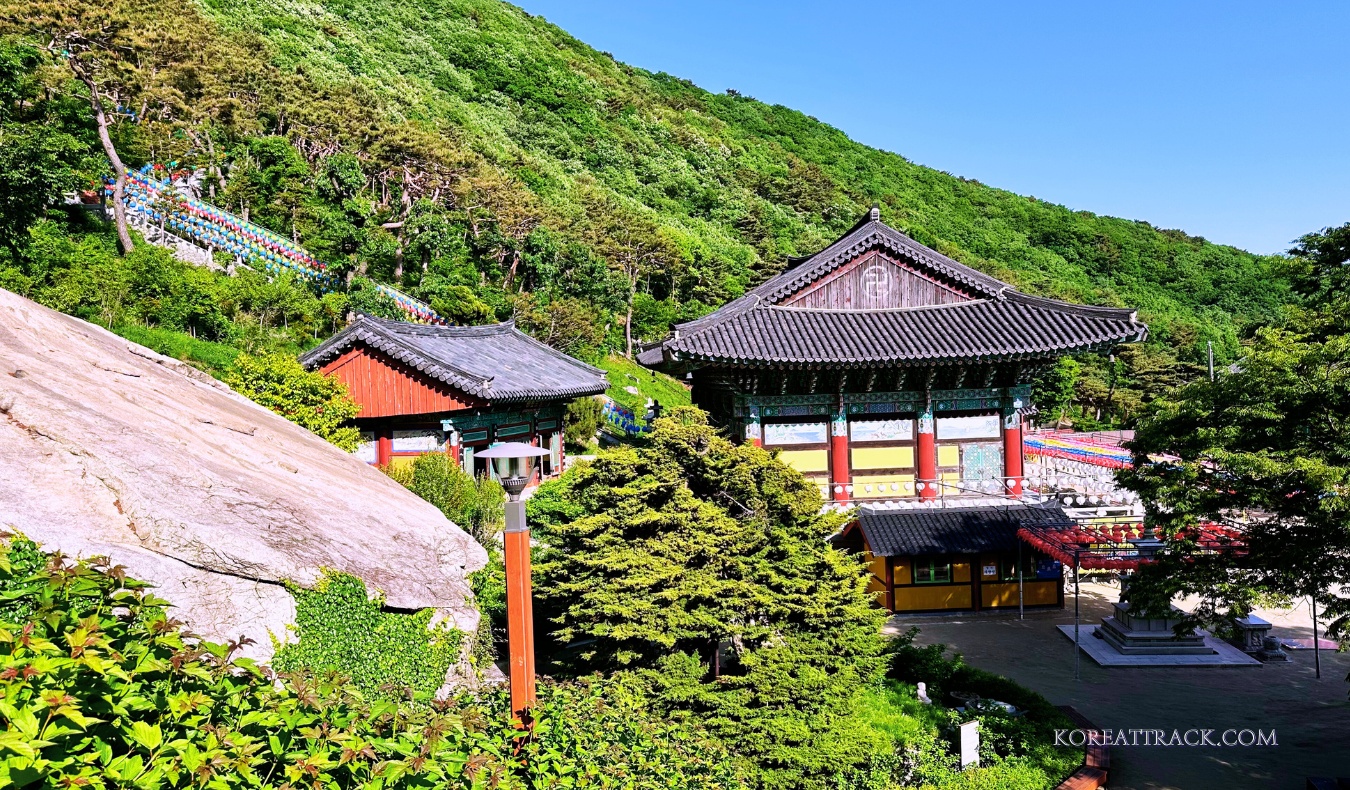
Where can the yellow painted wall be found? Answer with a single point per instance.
(401, 461)
(1037, 593)
(881, 457)
(990, 559)
(807, 460)
(951, 482)
(861, 482)
(941, 596)
(877, 565)
(902, 571)
(961, 572)
(949, 455)
(877, 588)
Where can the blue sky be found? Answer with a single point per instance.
(1226, 120)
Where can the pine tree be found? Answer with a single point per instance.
(704, 566)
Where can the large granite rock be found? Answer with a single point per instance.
(109, 448)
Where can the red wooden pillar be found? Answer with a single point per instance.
(890, 584)
(384, 447)
(1012, 454)
(841, 480)
(452, 441)
(519, 608)
(537, 473)
(925, 447)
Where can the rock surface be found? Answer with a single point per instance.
(109, 448)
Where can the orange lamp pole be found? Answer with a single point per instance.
(515, 461)
(519, 608)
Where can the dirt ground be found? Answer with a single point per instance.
(1311, 717)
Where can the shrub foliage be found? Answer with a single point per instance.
(307, 398)
(339, 627)
(702, 566)
(102, 689)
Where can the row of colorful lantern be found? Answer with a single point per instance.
(418, 311)
(623, 418)
(1109, 457)
(224, 231)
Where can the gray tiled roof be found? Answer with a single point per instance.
(496, 362)
(998, 323)
(892, 533)
(871, 233)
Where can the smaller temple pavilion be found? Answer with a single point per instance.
(961, 558)
(453, 389)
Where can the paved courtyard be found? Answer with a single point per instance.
(1311, 717)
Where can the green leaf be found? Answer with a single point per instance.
(147, 735)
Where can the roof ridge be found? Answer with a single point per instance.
(1072, 307)
(743, 304)
(473, 330)
(867, 231)
(874, 310)
(424, 348)
(571, 360)
(390, 334)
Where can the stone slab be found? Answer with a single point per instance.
(108, 448)
(1225, 655)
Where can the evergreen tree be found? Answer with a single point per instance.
(1266, 445)
(704, 566)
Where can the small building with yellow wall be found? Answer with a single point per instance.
(956, 559)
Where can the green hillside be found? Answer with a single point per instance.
(491, 164)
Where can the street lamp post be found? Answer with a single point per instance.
(515, 467)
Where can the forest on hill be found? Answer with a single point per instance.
(485, 161)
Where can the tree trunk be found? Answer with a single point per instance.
(14, 251)
(628, 321)
(628, 330)
(120, 185)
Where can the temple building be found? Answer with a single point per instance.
(890, 374)
(453, 389)
(957, 558)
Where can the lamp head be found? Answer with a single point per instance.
(514, 462)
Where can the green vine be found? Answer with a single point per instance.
(489, 592)
(20, 564)
(388, 654)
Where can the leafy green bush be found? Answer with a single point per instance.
(702, 568)
(489, 593)
(215, 358)
(1020, 746)
(339, 627)
(475, 504)
(307, 398)
(23, 561)
(584, 418)
(101, 689)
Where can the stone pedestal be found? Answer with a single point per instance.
(1252, 636)
(1132, 635)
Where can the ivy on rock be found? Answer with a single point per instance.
(392, 654)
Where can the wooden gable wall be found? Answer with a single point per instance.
(385, 387)
(874, 281)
